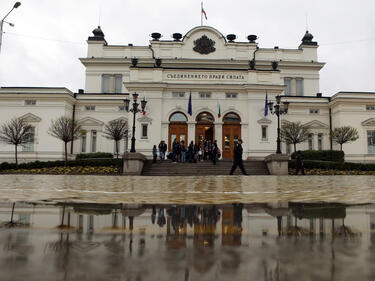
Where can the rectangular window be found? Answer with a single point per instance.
(320, 141)
(89, 107)
(205, 95)
(371, 141)
(314, 111)
(123, 108)
(370, 107)
(288, 84)
(29, 146)
(264, 133)
(311, 141)
(105, 83)
(231, 95)
(83, 142)
(178, 95)
(30, 102)
(299, 86)
(144, 131)
(118, 83)
(93, 141)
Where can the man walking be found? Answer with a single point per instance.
(237, 158)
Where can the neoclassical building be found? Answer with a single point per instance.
(224, 80)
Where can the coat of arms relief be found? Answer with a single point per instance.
(204, 45)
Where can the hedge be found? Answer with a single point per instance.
(94, 155)
(322, 155)
(330, 165)
(73, 163)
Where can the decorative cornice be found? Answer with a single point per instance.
(145, 119)
(369, 122)
(315, 124)
(264, 120)
(29, 117)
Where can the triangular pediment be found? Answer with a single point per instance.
(264, 120)
(369, 122)
(121, 118)
(144, 119)
(315, 124)
(90, 121)
(29, 117)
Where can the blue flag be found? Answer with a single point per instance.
(190, 110)
(266, 105)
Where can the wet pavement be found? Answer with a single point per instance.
(193, 228)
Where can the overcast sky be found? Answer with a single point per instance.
(50, 35)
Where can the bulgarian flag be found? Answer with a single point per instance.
(204, 12)
(218, 109)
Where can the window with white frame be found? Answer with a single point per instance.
(314, 111)
(144, 131)
(299, 86)
(204, 95)
(264, 132)
(178, 95)
(371, 141)
(29, 146)
(288, 84)
(320, 141)
(94, 136)
(83, 141)
(310, 141)
(30, 102)
(370, 107)
(231, 95)
(111, 83)
(90, 107)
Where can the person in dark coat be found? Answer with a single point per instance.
(191, 152)
(162, 149)
(237, 158)
(175, 147)
(215, 150)
(299, 163)
(155, 153)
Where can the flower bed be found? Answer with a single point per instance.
(78, 170)
(331, 172)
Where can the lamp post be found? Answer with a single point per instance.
(16, 5)
(135, 110)
(276, 109)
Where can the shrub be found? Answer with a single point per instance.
(94, 155)
(73, 163)
(322, 155)
(330, 165)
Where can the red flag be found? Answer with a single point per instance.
(204, 13)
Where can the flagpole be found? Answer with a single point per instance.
(201, 13)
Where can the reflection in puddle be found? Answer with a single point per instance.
(272, 241)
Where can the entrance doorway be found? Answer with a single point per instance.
(204, 130)
(177, 128)
(231, 133)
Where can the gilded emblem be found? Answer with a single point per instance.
(204, 45)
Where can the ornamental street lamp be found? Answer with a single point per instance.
(276, 109)
(16, 5)
(135, 110)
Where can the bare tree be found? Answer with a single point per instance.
(344, 134)
(293, 133)
(16, 132)
(65, 129)
(116, 130)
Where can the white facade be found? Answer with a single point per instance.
(215, 72)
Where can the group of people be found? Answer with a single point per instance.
(192, 153)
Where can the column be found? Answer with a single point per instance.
(246, 139)
(219, 134)
(191, 131)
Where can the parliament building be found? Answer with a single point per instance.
(198, 86)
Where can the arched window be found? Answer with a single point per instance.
(205, 117)
(178, 117)
(231, 118)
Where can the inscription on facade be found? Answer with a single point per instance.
(205, 76)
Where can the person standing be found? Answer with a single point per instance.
(237, 158)
(183, 151)
(155, 153)
(162, 150)
(299, 163)
(191, 152)
(214, 152)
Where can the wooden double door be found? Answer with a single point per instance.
(231, 135)
(179, 131)
(204, 132)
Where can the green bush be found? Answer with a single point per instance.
(94, 155)
(73, 163)
(322, 155)
(331, 165)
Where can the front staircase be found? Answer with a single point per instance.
(206, 168)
